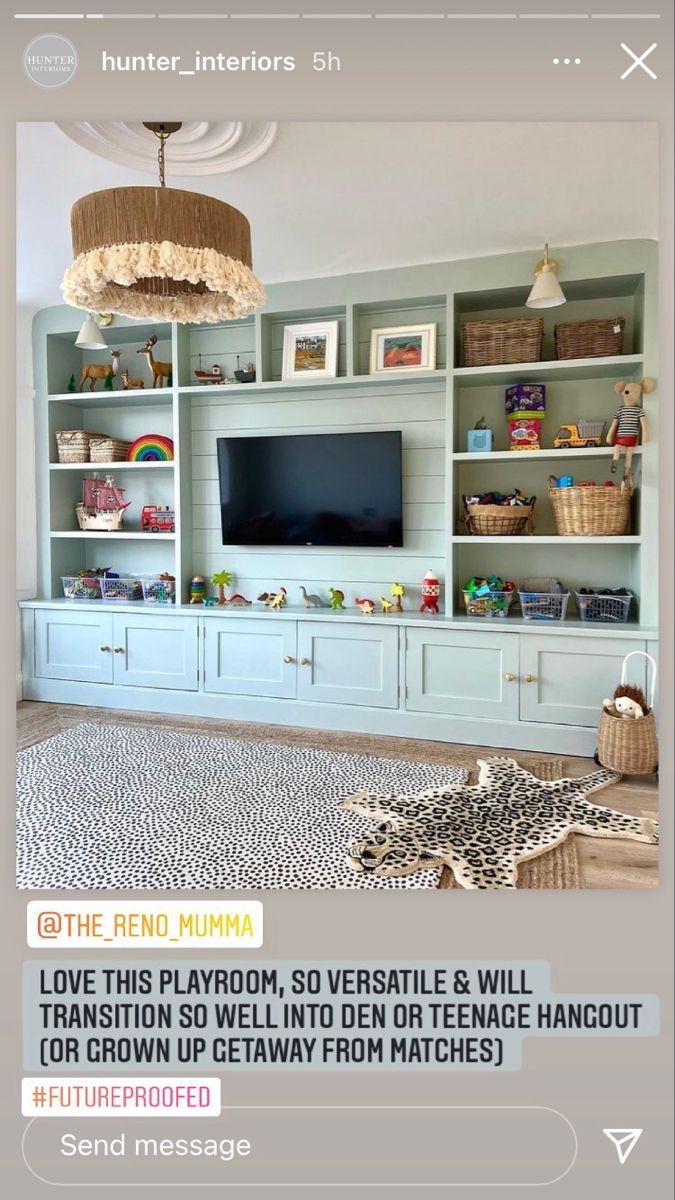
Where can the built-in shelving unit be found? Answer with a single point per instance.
(434, 410)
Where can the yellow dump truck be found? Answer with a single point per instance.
(585, 433)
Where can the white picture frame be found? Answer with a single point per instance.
(315, 341)
(390, 344)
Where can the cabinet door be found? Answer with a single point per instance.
(348, 664)
(565, 679)
(462, 673)
(250, 657)
(158, 651)
(73, 645)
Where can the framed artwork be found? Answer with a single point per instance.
(310, 350)
(402, 348)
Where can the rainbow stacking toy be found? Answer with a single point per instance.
(151, 447)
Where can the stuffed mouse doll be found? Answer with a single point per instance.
(629, 422)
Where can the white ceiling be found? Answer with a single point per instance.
(333, 198)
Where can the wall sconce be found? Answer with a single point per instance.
(90, 336)
(546, 291)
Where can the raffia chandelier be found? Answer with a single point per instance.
(161, 253)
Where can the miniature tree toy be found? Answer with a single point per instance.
(221, 580)
(397, 590)
(628, 423)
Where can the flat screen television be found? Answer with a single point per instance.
(324, 489)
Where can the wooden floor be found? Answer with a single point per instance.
(604, 863)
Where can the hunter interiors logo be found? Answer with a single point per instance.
(50, 60)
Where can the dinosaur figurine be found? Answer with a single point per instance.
(311, 600)
(278, 599)
(337, 598)
(386, 605)
(367, 607)
(237, 600)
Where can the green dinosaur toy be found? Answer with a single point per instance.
(337, 598)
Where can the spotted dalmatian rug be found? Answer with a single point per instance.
(483, 832)
(105, 806)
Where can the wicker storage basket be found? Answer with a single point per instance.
(589, 339)
(498, 520)
(107, 449)
(591, 511)
(73, 445)
(490, 343)
(625, 745)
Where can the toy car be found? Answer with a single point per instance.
(585, 433)
(158, 520)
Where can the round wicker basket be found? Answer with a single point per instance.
(626, 745)
(591, 511)
(498, 520)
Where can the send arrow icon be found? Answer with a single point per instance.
(625, 1141)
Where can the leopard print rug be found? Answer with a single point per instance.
(482, 832)
(119, 806)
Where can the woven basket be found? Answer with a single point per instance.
(73, 445)
(625, 745)
(591, 511)
(490, 343)
(589, 339)
(498, 520)
(107, 449)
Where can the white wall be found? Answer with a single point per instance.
(26, 519)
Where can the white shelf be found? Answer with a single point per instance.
(113, 466)
(91, 534)
(553, 539)
(144, 397)
(537, 455)
(294, 385)
(613, 366)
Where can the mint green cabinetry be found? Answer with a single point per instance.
(74, 645)
(564, 680)
(348, 664)
(253, 657)
(463, 673)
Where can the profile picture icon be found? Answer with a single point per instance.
(50, 60)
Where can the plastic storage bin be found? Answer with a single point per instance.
(159, 591)
(492, 604)
(595, 605)
(81, 587)
(543, 600)
(123, 588)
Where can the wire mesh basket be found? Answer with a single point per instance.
(158, 590)
(498, 520)
(122, 588)
(543, 600)
(81, 587)
(491, 604)
(593, 605)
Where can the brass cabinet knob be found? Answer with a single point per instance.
(288, 659)
(105, 649)
(305, 662)
(118, 650)
(530, 678)
(509, 677)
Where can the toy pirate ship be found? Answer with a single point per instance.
(102, 505)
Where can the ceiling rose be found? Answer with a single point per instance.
(198, 148)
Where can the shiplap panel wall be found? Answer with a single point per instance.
(420, 415)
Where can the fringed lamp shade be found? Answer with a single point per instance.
(162, 254)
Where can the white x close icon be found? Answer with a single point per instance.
(638, 60)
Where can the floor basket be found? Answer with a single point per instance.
(591, 511)
(107, 449)
(589, 339)
(626, 745)
(490, 343)
(498, 520)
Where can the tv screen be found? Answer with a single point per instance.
(340, 489)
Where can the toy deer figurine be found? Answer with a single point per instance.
(95, 371)
(161, 371)
(129, 383)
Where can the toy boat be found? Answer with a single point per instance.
(102, 506)
(213, 375)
